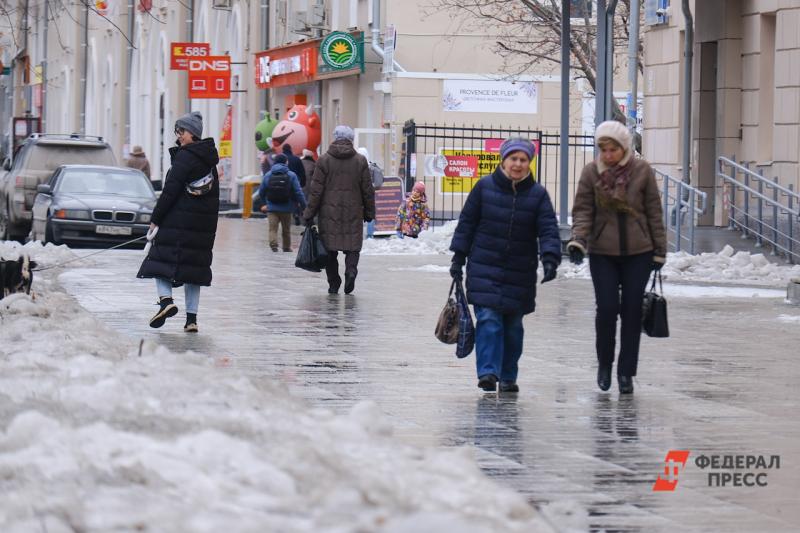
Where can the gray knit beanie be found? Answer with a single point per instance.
(343, 132)
(192, 122)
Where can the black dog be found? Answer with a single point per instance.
(16, 276)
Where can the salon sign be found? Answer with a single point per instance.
(490, 96)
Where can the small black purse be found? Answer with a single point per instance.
(654, 310)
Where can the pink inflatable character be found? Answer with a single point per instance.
(300, 129)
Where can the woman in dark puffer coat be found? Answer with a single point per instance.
(186, 218)
(506, 224)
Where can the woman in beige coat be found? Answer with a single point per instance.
(618, 221)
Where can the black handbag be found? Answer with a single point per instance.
(455, 324)
(654, 310)
(447, 325)
(311, 254)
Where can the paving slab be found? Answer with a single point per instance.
(724, 383)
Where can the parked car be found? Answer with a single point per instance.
(91, 204)
(33, 164)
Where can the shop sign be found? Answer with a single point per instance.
(226, 138)
(339, 51)
(182, 52)
(490, 96)
(289, 65)
(210, 77)
(460, 169)
(387, 199)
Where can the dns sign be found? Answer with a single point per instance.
(210, 77)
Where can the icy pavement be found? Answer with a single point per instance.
(722, 385)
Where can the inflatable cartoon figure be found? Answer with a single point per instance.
(264, 132)
(299, 130)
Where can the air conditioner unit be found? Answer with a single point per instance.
(656, 12)
(317, 15)
(300, 23)
(221, 4)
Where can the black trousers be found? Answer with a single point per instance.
(332, 268)
(619, 285)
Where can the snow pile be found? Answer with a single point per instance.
(98, 434)
(727, 266)
(45, 255)
(431, 241)
(789, 318)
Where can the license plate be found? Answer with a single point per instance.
(114, 230)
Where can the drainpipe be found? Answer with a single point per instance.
(633, 66)
(85, 66)
(44, 68)
(688, 53)
(190, 38)
(376, 33)
(131, 18)
(265, 45)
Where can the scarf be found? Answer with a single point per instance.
(612, 188)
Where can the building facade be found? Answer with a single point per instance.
(745, 92)
(103, 68)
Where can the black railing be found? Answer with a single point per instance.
(427, 146)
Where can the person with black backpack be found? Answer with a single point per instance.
(281, 193)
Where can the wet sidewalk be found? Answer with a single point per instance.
(723, 384)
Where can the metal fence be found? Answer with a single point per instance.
(761, 208)
(682, 205)
(426, 148)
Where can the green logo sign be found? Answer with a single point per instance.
(339, 50)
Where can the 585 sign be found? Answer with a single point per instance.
(209, 76)
(182, 52)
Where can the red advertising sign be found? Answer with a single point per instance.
(182, 52)
(492, 145)
(293, 64)
(210, 77)
(461, 166)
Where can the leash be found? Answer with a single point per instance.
(57, 265)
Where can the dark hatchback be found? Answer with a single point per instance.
(90, 204)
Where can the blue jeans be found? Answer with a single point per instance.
(498, 343)
(370, 229)
(192, 293)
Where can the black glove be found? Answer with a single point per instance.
(366, 219)
(576, 255)
(656, 265)
(549, 271)
(456, 271)
(456, 268)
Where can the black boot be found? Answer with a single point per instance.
(488, 382)
(333, 285)
(509, 386)
(191, 323)
(349, 283)
(604, 377)
(166, 309)
(625, 384)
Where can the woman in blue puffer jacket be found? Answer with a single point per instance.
(506, 225)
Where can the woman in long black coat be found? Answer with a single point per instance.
(186, 218)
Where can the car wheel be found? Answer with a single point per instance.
(48, 234)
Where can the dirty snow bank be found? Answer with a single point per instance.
(96, 435)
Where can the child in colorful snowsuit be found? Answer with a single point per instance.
(413, 214)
